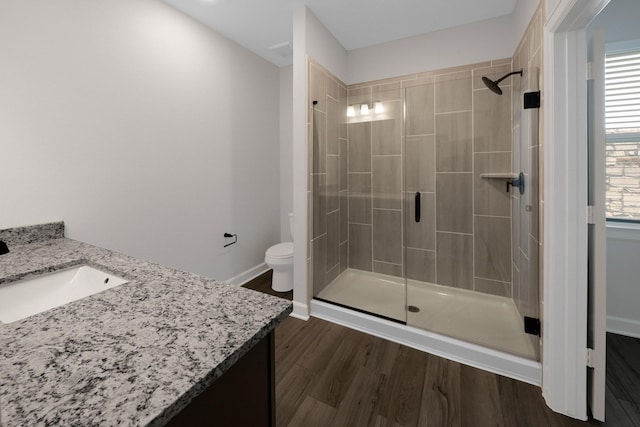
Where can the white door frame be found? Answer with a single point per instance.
(564, 302)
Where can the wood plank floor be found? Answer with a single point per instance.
(262, 283)
(623, 381)
(329, 375)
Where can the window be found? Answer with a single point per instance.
(622, 121)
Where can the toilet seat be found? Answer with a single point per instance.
(280, 251)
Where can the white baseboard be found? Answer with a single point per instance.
(300, 311)
(250, 274)
(622, 326)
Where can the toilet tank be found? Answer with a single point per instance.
(291, 224)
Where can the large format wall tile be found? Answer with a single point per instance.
(333, 88)
(359, 96)
(342, 129)
(344, 256)
(310, 158)
(523, 279)
(515, 227)
(360, 147)
(454, 202)
(492, 120)
(319, 142)
(317, 87)
(333, 183)
(343, 165)
(360, 198)
(453, 92)
(333, 240)
(421, 265)
(319, 257)
(420, 163)
(525, 207)
(493, 73)
(454, 148)
(344, 216)
(333, 126)
(420, 110)
(386, 137)
(534, 279)
(455, 260)
(386, 182)
(319, 205)
(454, 129)
(516, 285)
(386, 92)
(529, 289)
(491, 197)
(493, 287)
(493, 248)
(360, 247)
(421, 234)
(388, 268)
(332, 274)
(387, 236)
(328, 181)
(533, 187)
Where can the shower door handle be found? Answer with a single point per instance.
(417, 213)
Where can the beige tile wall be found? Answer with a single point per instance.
(453, 130)
(329, 154)
(375, 175)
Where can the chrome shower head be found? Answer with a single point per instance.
(494, 85)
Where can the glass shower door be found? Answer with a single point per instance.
(526, 206)
(356, 148)
(459, 164)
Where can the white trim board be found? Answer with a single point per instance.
(621, 326)
(248, 275)
(623, 231)
(459, 351)
(564, 307)
(300, 311)
(622, 46)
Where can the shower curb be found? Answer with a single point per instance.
(508, 365)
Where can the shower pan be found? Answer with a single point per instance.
(415, 217)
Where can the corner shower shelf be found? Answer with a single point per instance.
(505, 175)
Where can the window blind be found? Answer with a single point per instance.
(622, 93)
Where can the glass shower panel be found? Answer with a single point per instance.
(458, 147)
(526, 206)
(370, 268)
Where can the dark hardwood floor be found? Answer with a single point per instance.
(623, 381)
(262, 283)
(329, 375)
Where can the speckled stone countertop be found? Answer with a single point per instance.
(133, 355)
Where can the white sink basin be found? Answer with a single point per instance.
(27, 297)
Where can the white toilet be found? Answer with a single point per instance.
(280, 258)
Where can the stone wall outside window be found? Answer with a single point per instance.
(623, 180)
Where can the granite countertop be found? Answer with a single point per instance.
(133, 355)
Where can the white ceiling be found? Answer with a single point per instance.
(261, 24)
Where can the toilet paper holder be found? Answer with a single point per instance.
(229, 236)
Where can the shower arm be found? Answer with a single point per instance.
(507, 75)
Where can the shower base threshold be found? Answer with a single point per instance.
(440, 318)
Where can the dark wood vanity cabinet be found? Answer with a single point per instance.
(243, 396)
